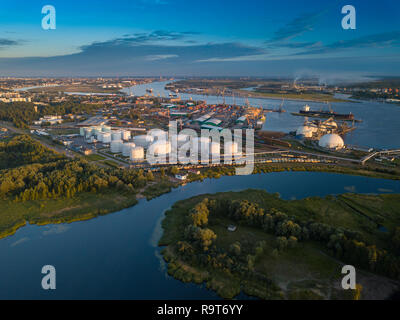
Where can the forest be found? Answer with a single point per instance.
(22, 149)
(35, 178)
(32, 172)
(22, 114)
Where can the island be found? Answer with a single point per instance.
(267, 247)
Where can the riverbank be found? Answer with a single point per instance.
(306, 97)
(87, 206)
(82, 207)
(266, 253)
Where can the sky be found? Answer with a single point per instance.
(285, 38)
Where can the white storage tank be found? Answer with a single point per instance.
(160, 148)
(331, 141)
(125, 135)
(215, 148)
(203, 143)
(100, 136)
(97, 130)
(116, 135)
(180, 138)
(88, 133)
(106, 129)
(126, 148)
(106, 137)
(231, 148)
(82, 131)
(158, 134)
(305, 131)
(136, 154)
(143, 140)
(115, 146)
(91, 139)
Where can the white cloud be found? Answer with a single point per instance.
(157, 57)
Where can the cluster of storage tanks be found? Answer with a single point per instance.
(117, 139)
(155, 141)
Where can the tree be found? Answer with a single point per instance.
(199, 214)
(150, 176)
(292, 242)
(282, 243)
(205, 237)
(162, 172)
(235, 248)
(174, 170)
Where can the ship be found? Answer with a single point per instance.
(306, 112)
(149, 90)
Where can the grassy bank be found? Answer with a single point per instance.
(84, 206)
(318, 97)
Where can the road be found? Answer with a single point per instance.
(47, 144)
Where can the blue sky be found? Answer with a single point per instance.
(200, 38)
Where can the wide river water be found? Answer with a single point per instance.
(116, 256)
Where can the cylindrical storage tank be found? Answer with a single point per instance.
(136, 154)
(106, 128)
(180, 138)
(203, 143)
(160, 148)
(106, 137)
(143, 140)
(158, 134)
(115, 146)
(97, 130)
(116, 135)
(120, 145)
(93, 130)
(126, 135)
(231, 147)
(100, 136)
(304, 131)
(88, 133)
(126, 148)
(215, 148)
(82, 131)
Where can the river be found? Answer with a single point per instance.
(379, 127)
(116, 256)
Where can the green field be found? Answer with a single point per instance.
(111, 163)
(95, 157)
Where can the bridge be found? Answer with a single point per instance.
(379, 153)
